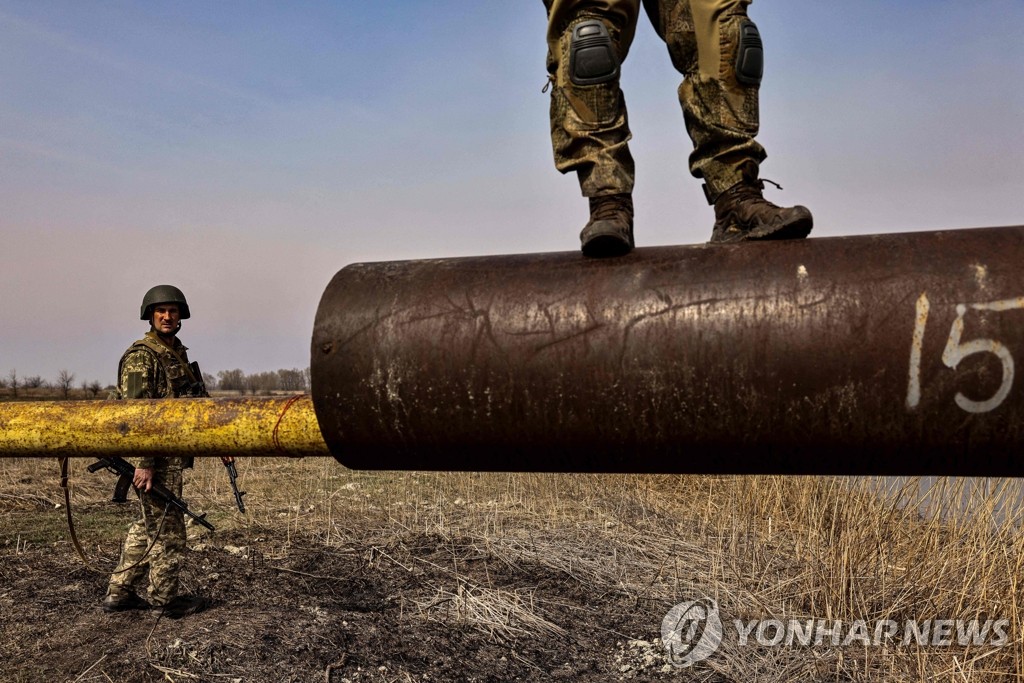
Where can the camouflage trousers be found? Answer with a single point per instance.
(164, 561)
(589, 126)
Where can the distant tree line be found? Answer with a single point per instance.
(294, 380)
(64, 384)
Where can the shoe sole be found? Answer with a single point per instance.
(794, 230)
(604, 246)
(797, 230)
(112, 609)
(179, 611)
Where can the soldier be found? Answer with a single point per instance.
(719, 52)
(156, 366)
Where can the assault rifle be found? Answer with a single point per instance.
(122, 467)
(198, 388)
(233, 476)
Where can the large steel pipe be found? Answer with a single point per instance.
(247, 427)
(885, 354)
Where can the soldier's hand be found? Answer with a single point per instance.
(227, 458)
(143, 480)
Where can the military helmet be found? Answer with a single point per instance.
(163, 294)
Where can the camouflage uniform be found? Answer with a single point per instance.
(589, 127)
(151, 369)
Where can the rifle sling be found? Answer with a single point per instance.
(74, 537)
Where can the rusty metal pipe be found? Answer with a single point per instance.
(246, 427)
(884, 354)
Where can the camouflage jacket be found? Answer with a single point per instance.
(152, 369)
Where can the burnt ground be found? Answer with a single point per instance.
(413, 607)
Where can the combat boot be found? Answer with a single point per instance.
(742, 213)
(184, 605)
(610, 229)
(119, 602)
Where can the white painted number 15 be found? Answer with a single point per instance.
(956, 350)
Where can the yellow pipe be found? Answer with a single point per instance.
(242, 427)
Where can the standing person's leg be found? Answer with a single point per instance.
(168, 558)
(125, 587)
(587, 42)
(169, 549)
(719, 51)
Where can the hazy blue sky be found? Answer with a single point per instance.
(246, 151)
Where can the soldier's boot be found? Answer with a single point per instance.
(184, 605)
(742, 213)
(610, 229)
(119, 602)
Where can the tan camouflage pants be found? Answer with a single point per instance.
(164, 561)
(589, 126)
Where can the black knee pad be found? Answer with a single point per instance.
(749, 54)
(592, 57)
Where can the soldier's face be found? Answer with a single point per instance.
(166, 318)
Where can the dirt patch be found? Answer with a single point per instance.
(417, 608)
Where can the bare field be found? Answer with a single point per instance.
(337, 575)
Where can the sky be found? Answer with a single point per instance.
(247, 151)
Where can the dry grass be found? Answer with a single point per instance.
(762, 547)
